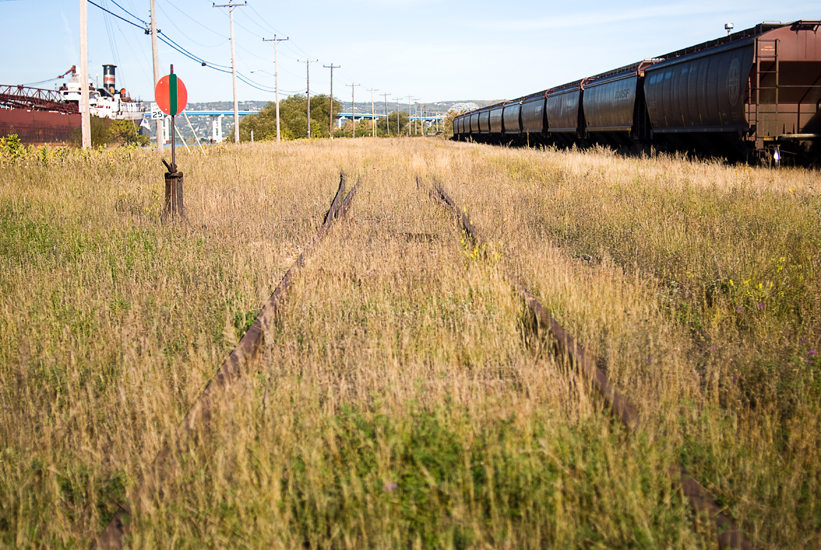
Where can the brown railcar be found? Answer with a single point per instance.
(755, 90)
(752, 93)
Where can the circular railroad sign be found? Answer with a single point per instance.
(171, 95)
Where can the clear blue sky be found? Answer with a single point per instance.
(433, 50)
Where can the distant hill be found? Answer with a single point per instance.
(202, 125)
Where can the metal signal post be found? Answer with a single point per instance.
(171, 97)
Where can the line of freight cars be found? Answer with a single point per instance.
(751, 94)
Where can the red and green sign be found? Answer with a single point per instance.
(171, 95)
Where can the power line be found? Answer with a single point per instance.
(115, 53)
(270, 26)
(164, 37)
(114, 14)
(298, 48)
(141, 50)
(240, 25)
(263, 20)
(252, 53)
(168, 41)
(291, 57)
(171, 20)
(349, 75)
(197, 22)
(128, 42)
(129, 13)
(182, 49)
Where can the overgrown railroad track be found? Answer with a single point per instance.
(564, 346)
(231, 371)
(729, 536)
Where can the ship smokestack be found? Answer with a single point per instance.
(109, 78)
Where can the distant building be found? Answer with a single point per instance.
(458, 107)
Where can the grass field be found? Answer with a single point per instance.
(402, 400)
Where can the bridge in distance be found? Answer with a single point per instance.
(341, 118)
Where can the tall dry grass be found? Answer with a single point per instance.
(402, 400)
(697, 285)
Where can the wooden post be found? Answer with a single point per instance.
(174, 205)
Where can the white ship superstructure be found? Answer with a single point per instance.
(105, 102)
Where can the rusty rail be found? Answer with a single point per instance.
(729, 536)
(231, 369)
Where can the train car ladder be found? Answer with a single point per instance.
(767, 79)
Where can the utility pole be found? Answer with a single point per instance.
(230, 5)
(156, 61)
(331, 119)
(387, 120)
(409, 112)
(275, 40)
(373, 114)
(308, 70)
(424, 117)
(353, 108)
(85, 115)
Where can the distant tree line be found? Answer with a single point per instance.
(293, 121)
(447, 123)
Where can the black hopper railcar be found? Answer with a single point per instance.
(754, 94)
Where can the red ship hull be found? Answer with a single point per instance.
(38, 127)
